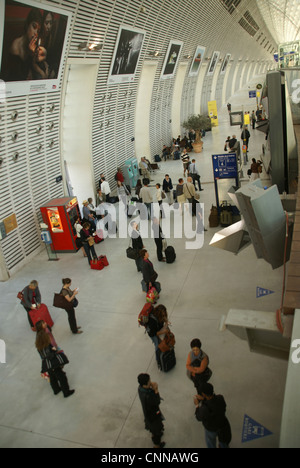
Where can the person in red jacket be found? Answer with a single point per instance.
(119, 176)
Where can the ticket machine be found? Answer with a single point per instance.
(60, 215)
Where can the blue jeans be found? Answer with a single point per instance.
(156, 342)
(211, 440)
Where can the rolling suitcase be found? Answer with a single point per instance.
(42, 313)
(167, 360)
(170, 254)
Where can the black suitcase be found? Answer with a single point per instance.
(170, 254)
(167, 360)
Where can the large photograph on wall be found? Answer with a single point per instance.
(213, 63)
(197, 61)
(33, 40)
(225, 64)
(171, 60)
(126, 55)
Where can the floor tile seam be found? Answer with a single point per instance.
(19, 429)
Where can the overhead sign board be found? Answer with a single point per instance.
(225, 166)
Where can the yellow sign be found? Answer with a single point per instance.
(247, 119)
(213, 113)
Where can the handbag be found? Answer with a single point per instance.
(20, 296)
(91, 241)
(168, 342)
(61, 302)
(132, 253)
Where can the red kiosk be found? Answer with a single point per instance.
(60, 215)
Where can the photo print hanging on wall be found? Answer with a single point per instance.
(225, 64)
(33, 40)
(197, 61)
(213, 63)
(126, 55)
(171, 60)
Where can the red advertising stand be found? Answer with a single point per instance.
(60, 215)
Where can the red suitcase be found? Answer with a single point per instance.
(99, 237)
(41, 314)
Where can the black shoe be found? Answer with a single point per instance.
(70, 393)
(58, 392)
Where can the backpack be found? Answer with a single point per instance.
(143, 318)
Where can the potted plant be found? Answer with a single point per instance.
(198, 123)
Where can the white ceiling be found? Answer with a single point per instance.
(282, 18)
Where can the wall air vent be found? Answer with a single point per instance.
(249, 24)
(230, 5)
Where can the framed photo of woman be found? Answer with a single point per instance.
(171, 60)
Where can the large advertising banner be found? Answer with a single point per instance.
(33, 40)
(171, 60)
(126, 55)
(197, 61)
(213, 113)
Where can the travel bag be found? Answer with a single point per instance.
(36, 315)
(167, 360)
(170, 254)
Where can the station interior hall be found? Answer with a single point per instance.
(93, 86)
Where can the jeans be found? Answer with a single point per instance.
(211, 440)
(156, 342)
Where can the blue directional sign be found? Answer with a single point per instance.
(225, 166)
(252, 94)
(261, 292)
(253, 430)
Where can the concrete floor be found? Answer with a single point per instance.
(198, 289)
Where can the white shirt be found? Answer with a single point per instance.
(105, 188)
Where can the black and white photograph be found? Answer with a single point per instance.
(33, 45)
(213, 63)
(126, 55)
(225, 64)
(197, 61)
(171, 60)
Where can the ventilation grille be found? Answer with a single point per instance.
(249, 24)
(230, 5)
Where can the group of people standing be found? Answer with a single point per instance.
(53, 358)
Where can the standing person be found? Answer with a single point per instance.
(189, 192)
(193, 172)
(197, 365)
(31, 299)
(181, 199)
(211, 411)
(41, 325)
(159, 197)
(146, 196)
(119, 177)
(79, 244)
(229, 107)
(88, 242)
(168, 189)
(253, 118)
(137, 244)
(185, 160)
(158, 239)
(138, 188)
(245, 136)
(157, 327)
(144, 169)
(255, 169)
(70, 296)
(88, 215)
(150, 400)
(53, 362)
(105, 190)
(149, 274)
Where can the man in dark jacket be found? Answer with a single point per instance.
(211, 412)
(150, 400)
(31, 299)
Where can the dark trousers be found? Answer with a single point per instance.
(28, 316)
(159, 249)
(59, 381)
(72, 320)
(90, 251)
(196, 178)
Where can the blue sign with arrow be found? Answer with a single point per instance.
(252, 430)
(225, 166)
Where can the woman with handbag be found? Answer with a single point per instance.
(157, 327)
(53, 362)
(71, 304)
(88, 242)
